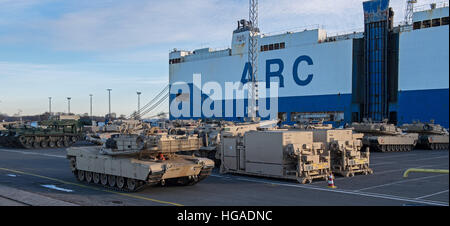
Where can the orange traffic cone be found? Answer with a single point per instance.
(331, 181)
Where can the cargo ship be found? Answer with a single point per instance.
(399, 73)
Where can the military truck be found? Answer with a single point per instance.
(49, 134)
(385, 137)
(431, 136)
(129, 162)
(346, 151)
(275, 153)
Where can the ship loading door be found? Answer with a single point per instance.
(378, 18)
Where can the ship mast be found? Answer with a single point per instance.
(253, 59)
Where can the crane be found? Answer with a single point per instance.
(409, 11)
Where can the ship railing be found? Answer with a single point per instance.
(344, 35)
(293, 30)
(428, 6)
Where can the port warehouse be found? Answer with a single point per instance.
(400, 73)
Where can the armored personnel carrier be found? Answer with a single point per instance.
(52, 133)
(431, 136)
(128, 162)
(384, 137)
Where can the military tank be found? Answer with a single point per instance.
(385, 137)
(130, 162)
(431, 136)
(49, 134)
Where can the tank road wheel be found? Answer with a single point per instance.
(73, 139)
(59, 143)
(80, 175)
(36, 144)
(22, 139)
(131, 184)
(120, 181)
(66, 143)
(96, 178)
(112, 180)
(28, 144)
(51, 144)
(104, 179)
(88, 176)
(44, 144)
(383, 148)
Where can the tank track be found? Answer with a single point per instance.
(437, 146)
(152, 180)
(43, 142)
(392, 148)
(140, 187)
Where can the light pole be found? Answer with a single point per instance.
(68, 103)
(90, 95)
(109, 98)
(139, 105)
(50, 105)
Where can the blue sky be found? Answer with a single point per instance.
(68, 48)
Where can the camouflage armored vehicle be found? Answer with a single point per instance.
(347, 155)
(128, 162)
(52, 133)
(384, 137)
(276, 153)
(431, 136)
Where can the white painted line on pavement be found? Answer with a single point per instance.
(401, 181)
(51, 186)
(350, 192)
(33, 153)
(11, 175)
(437, 193)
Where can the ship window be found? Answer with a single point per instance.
(266, 48)
(426, 23)
(444, 21)
(262, 48)
(282, 45)
(416, 25)
(276, 46)
(271, 47)
(436, 22)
